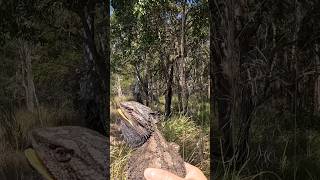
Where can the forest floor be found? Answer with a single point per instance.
(190, 132)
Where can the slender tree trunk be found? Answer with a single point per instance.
(137, 91)
(168, 69)
(168, 97)
(182, 62)
(273, 62)
(179, 93)
(145, 84)
(142, 85)
(119, 89)
(25, 51)
(317, 81)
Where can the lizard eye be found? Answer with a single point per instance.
(155, 113)
(63, 155)
(154, 116)
(129, 108)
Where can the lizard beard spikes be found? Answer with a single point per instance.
(133, 137)
(137, 122)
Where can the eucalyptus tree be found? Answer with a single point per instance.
(59, 28)
(259, 61)
(94, 83)
(154, 41)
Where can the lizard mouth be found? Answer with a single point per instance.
(37, 163)
(122, 114)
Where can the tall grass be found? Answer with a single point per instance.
(119, 156)
(194, 142)
(272, 151)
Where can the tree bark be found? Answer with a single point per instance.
(25, 51)
(168, 98)
(137, 92)
(94, 85)
(317, 81)
(245, 92)
(119, 89)
(142, 85)
(220, 82)
(182, 62)
(229, 47)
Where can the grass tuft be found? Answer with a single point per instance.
(119, 156)
(193, 141)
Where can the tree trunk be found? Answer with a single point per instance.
(178, 86)
(182, 62)
(27, 75)
(137, 92)
(94, 85)
(229, 47)
(141, 91)
(220, 82)
(145, 84)
(245, 94)
(119, 89)
(169, 92)
(317, 81)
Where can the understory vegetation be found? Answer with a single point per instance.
(246, 73)
(159, 57)
(284, 153)
(45, 73)
(191, 133)
(265, 89)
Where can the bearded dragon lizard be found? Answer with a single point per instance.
(69, 153)
(138, 127)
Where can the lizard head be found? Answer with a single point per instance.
(137, 122)
(68, 152)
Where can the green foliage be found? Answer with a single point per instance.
(146, 35)
(193, 141)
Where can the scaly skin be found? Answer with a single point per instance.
(138, 126)
(72, 152)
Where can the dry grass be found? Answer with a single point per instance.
(193, 142)
(119, 157)
(14, 128)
